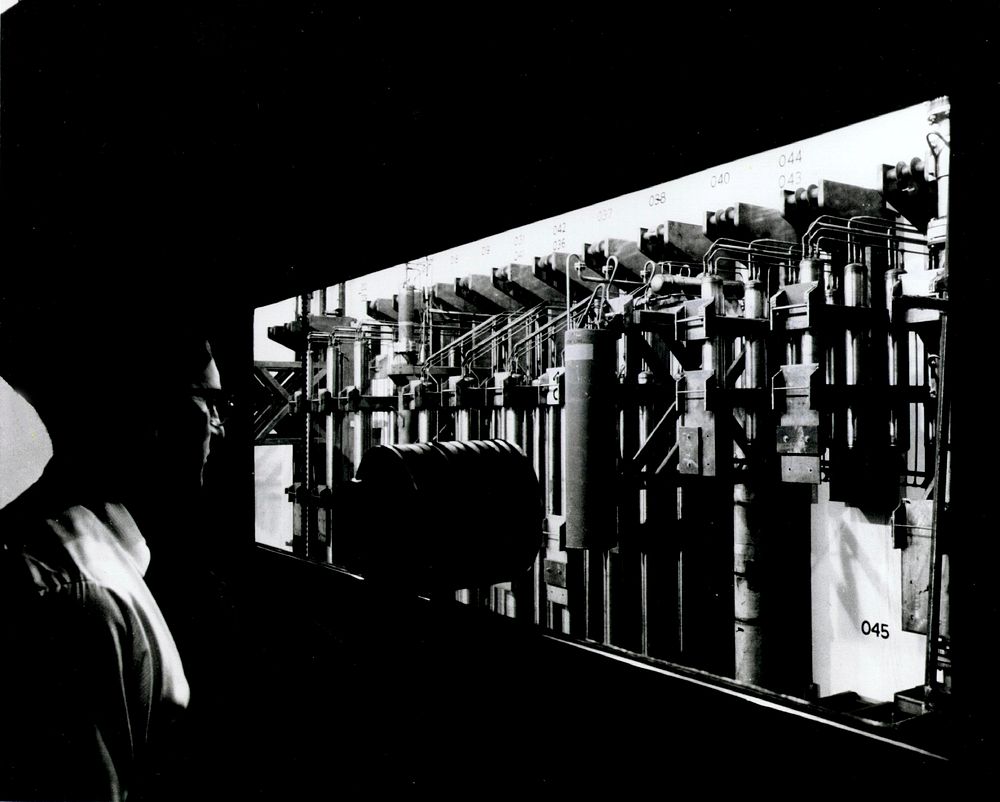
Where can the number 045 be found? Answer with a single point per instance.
(876, 629)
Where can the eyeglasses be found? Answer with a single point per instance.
(219, 403)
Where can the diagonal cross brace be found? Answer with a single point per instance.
(734, 371)
(643, 455)
(271, 383)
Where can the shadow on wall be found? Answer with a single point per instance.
(858, 641)
(850, 557)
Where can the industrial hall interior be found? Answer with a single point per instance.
(584, 399)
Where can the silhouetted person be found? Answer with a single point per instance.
(91, 678)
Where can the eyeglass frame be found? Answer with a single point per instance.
(219, 404)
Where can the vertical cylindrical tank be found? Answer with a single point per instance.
(331, 418)
(754, 307)
(406, 316)
(712, 288)
(893, 285)
(854, 295)
(807, 349)
(893, 288)
(590, 433)
(854, 284)
(810, 270)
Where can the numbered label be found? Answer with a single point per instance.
(559, 236)
(791, 180)
(658, 198)
(519, 246)
(790, 158)
(719, 179)
(789, 162)
(604, 214)
(876, 630)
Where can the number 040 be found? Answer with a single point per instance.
(876, 629)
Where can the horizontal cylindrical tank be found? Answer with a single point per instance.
(461, 514)
(667, 284)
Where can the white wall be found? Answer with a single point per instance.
(856, 578)
(272, 466)
(25, 447)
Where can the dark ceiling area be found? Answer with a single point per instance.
(247, 154)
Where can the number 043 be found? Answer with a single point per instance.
(876, 629)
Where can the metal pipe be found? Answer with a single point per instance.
(458, 342)
(462, 424)
(854, 295)
(771, 249)
(938, 598)
(746, 593)
(306, 529)
(830, 351)
(755, 368)
(514, 428)
(871, 237)
(332, 389)
(554, 459)
(553, 323)
(495, 336)
(425, 426)
(569, 319)
(362, 422)
(647, 421)
(755, 306)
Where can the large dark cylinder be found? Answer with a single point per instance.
(445, 515)
(591, 433)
